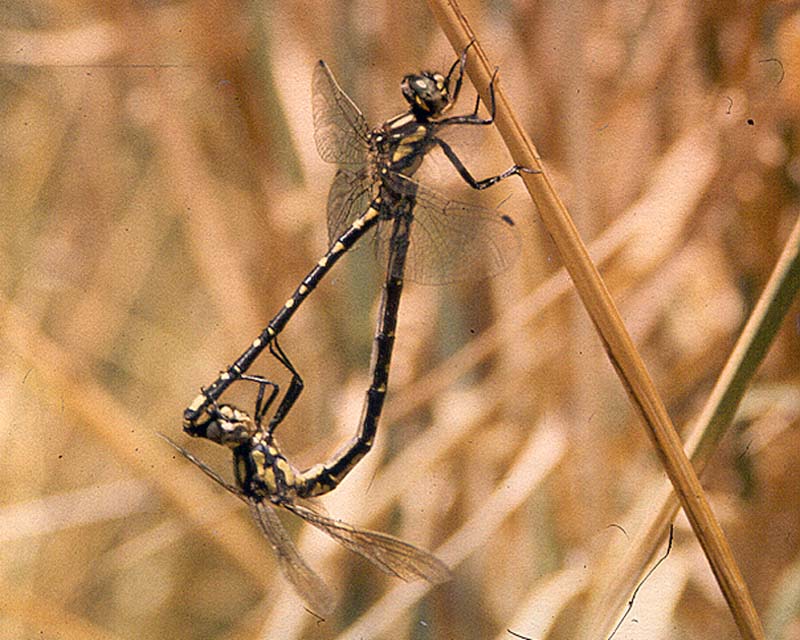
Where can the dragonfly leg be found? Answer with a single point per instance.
(292, 393)
(262, 405)
(289, 398)
(459, 64)
(467, 176)
(474, 118)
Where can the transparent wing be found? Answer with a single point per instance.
(391, 555)
(340, 130)
(203, 467)
(348, 198)
(302, 577)
(307, 583)
(451, 240)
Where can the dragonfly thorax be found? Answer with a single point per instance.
(263, 471)
(401, 145)
(427, 93)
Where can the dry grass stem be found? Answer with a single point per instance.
(713, 423)
(616, 340)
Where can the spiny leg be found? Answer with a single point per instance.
(292, 393)
(467, 176)
(474, 119)
(290, 397)
(262, 406)
(460, 63)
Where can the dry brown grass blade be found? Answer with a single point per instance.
(85, 400)
(538, 456)
(611, 329)
(713, 423)
(52, 618)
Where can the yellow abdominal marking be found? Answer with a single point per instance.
(198, 402)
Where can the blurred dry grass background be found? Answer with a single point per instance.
(160, 197)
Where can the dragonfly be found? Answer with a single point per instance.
(374, 191)
(265, 480)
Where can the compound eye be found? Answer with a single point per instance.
(216, 431)
(421, 84)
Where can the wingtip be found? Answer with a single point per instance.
(440, 573)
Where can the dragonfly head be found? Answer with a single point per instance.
(427, 93)
(230, 426)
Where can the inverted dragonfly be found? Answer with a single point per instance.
(265, 479)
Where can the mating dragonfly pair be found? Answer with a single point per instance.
(418, 234)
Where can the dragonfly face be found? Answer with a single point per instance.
(229, 426)
(427, 93)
